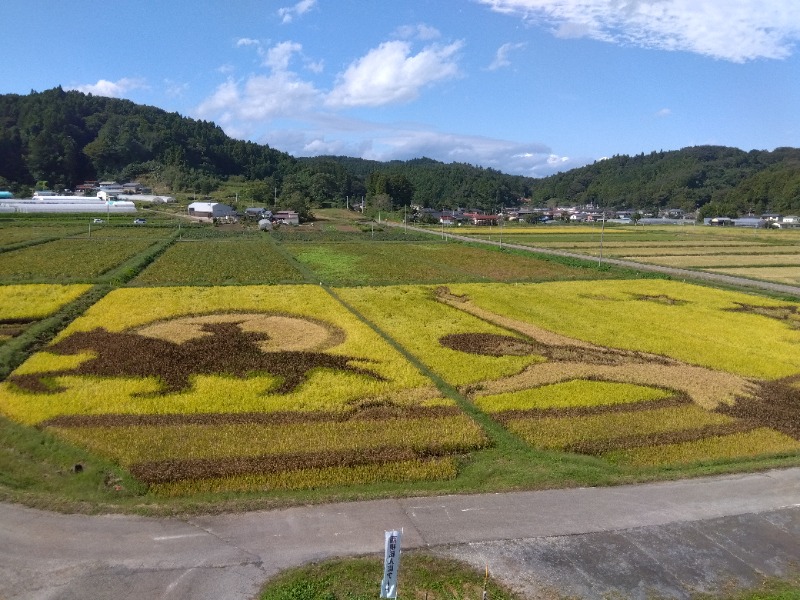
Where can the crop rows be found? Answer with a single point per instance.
(709, 261)
(365, 263)
(220, 262)
(239, 388)
(21, 305)
(67, 260)
(788, 275)
(599, 384)
(12, 235)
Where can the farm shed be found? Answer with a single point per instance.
(257, 213)
(210, 210)
(287, 217)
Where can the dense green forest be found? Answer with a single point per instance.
(58, 139)
(720, 181)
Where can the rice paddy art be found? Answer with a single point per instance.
(696, 403)
(300, 396)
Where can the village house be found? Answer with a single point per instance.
(210, 210)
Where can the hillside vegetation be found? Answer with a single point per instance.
(59, 139)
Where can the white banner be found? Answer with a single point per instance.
(391, 564)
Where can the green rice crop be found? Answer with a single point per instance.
(220, 262)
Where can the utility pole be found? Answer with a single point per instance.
(602, 230)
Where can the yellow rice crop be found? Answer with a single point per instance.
(35, 301)
(570, 394)
(128, 308)
(742, 250)
(759, 442)
(790, 275)
(683, 244)
(411, 316)
(736, 260)
(132, 444)
(399, 472)
(688, 322)
(558, 432)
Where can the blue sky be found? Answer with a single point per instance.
(524, 86)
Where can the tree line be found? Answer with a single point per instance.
(58, 139)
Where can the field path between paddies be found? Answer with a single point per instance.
(689, 274)
(633, 541)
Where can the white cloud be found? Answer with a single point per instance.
(249, 105)
(112, 89)
(420, 31)
(288, 111)
(734, 30)
(287, 14)
(501, 56)
(664, 112)
(402, 142)
(174, 89)
(279, 56)
(247, 42)
(315, 66)
(390, 74)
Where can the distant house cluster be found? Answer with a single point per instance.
(133, 191)
(767, 220)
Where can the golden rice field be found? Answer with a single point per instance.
(736, 251)
(195, 383)
(788, 275)
(21, 305)
(706, 261)
(615, 369)
(266, 386)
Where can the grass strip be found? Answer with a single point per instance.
(423, 576)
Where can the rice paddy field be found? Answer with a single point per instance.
(767, 255)
(228, 366)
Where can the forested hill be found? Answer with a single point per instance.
(65, 138)
(58, 139)
(718, 180)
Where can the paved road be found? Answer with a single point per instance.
(670, 537)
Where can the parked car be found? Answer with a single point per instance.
(98, 221)
(139, 221)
